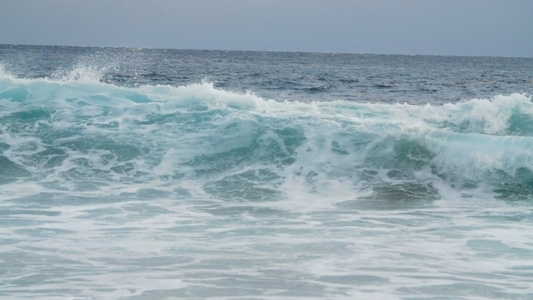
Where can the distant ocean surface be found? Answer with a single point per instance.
(175, 174)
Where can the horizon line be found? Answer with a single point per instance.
(269, 51)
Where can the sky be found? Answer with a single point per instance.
(435, 27)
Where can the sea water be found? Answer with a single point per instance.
(170, 174)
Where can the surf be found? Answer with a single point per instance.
(79, 134)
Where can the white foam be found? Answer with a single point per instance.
(82, 74)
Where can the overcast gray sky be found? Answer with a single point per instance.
(444, 27)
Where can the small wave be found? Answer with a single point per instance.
(81, 73)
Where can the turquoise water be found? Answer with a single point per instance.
(163, 175)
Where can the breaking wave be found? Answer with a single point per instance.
(74, 133)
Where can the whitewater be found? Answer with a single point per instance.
(172, 174)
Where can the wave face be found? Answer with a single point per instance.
(82, 135)
(333, 179)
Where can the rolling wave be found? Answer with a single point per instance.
(75, 133)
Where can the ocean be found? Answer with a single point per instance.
(187, 174)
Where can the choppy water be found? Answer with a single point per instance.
(162, 174)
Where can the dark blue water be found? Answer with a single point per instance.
(162, 174)
(286, 76)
